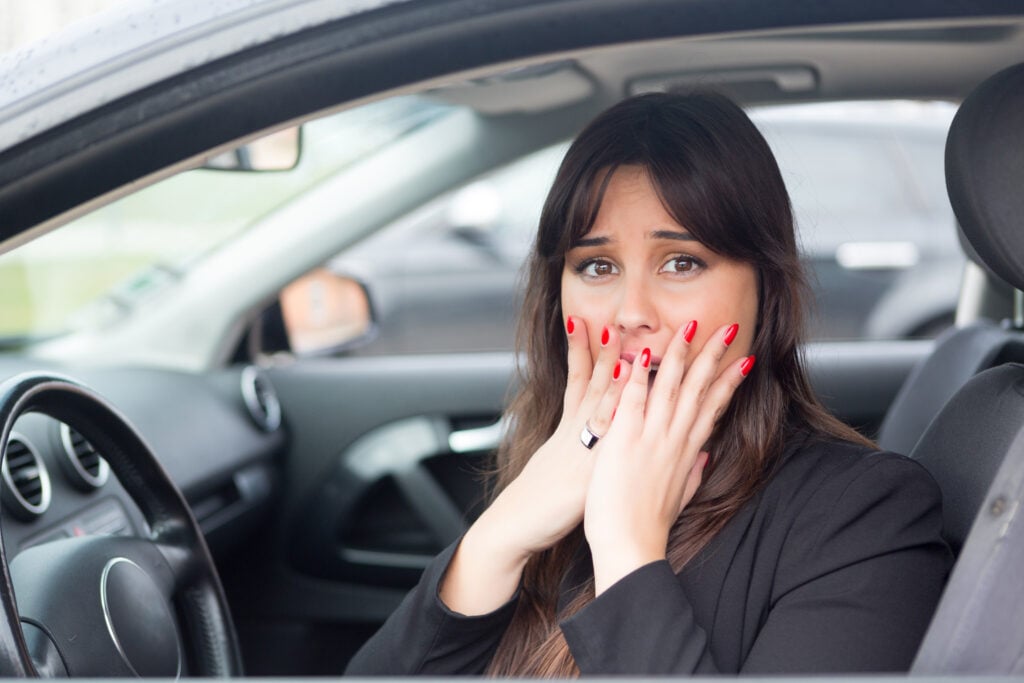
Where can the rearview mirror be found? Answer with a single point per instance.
(275, 152)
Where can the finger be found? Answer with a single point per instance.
(693, 480)
(600, 420)
(634, 394)
(668, 381)
(604, 368)
(579, 362)
(702, 372)
(719, 395)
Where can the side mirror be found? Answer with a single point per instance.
(325, 313)
(275, 152)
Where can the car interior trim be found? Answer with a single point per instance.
(19, 504)
(82, 475)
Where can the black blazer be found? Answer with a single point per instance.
(835, 566)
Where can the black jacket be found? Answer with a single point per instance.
(835, 566)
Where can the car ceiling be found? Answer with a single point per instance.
(601, 50)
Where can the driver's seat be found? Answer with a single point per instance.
(975, 445)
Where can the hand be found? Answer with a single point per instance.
(545, 502)
(651, 459)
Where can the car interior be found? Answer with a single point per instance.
(273, 504)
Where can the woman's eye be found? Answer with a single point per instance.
(682, 264)
(596, 268)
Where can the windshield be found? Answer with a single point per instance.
(102, 266)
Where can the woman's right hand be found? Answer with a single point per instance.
(546, 501)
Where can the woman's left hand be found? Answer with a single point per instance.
(649, 464)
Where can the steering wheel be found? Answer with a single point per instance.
(107, 605)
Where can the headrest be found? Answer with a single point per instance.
(985, 172)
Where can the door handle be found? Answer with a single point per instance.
(478, 438)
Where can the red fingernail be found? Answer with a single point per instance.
(747, 365)
(605, 337)
(691, 329)
(730, 333)
(569, 325)
(645, 358)
(618, 370)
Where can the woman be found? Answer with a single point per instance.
(661, 506)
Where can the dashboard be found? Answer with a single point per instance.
(217, 435)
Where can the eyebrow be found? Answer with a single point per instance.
(673, 235)
(657, 234)
(590, 242)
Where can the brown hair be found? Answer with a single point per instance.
(715, 175)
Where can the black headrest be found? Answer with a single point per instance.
(985, 172)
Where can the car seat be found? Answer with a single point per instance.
(974, 447)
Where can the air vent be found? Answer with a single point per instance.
(260, 399)
(86, 468)
(26, 488)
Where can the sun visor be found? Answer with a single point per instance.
(523, 90)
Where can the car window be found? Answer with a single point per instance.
(867, 186)
(102, 267)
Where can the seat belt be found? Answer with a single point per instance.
(978, 627)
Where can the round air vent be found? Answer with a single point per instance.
(84, 466)
(260, 399)
(26, 488)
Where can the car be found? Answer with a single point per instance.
(200, 409)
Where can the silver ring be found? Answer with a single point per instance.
(588, 438)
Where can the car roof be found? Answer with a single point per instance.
(135, 44)
(87, 115)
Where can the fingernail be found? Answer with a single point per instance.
(730, 333)
(569, 325)
(605, 337)
(645, 358)
(618, 370)
(691, 329)
(747, 365)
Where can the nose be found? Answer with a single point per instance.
(636, 307)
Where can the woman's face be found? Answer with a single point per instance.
(640, 273)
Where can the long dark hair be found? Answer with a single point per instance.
(717, 177)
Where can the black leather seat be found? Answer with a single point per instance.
(975, 445)
(959, 355)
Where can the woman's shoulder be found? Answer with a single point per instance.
(825, 473)
(825, 458)
(832, 503)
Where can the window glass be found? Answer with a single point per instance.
(103, 267)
